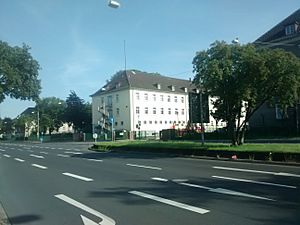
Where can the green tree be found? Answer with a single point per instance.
(7, 126)
(18, 73)
(22, 125)
(78, 113)
(51, 111)
(242, 78)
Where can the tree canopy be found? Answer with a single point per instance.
(18, 73)
(242, 78)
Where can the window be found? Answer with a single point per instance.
(117, 97)
(137, 95)
(109, 100)
(146, 110)
(146, 97)
(166, 122)
(155, 122)
(116, 123)
(145, 122)
(182, 111)
(169, 111)
(290, 29)
(137, 110)
(176, 111)
(102, 100)
(118, 111)
(122, 123)
(169, 98)
(175, 98)
(154, 110)
(158, 86)
(160, 122)
(182, 99)
(161, 110)
(161, 98)
(154, 97)
(172, 87)
(150, 122)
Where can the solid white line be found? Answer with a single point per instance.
(39, 166)
(254, 182)
(61, 155)
(37, 156)
(74, 153)
(145, 167)
(105, 219)
(170, 202)
(7, 156)
(226, 191)
(19, 160)
(257, 171)
(180, 180)
(159, 179)
(78, 177)
(95, 160)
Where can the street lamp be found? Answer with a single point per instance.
(114, 4)
(38, 124)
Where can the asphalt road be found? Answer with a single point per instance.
(66, 184)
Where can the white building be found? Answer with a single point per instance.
(139, 101)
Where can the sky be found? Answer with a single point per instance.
(79, 44)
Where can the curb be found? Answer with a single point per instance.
(3, 217)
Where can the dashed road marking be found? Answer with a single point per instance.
(61, 155)
(19, 160)
(7, 156)
(74, 153)
(39, 166)
(95, 160)
(46, 153)
(159, 179)
(170, 202)
(145, 167)
(37, 156)
(78, 177)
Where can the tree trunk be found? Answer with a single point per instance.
(232, 133)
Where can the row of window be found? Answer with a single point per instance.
(161, 122)
(154, 111)
(161, 97)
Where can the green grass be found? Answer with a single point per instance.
(176, 145)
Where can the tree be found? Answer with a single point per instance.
(18, 73)
(22, 125)
(78, 113)
(243, 78)
(7, 126)
(51, 111)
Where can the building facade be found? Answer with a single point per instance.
(135, 101)
(269, 118)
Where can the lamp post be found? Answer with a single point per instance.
(38, 124)
(201, 114)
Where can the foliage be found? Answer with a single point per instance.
(7, 126)
(18, 73)
(23, 123)
(243, 78)
(51, 110)
(78, 113)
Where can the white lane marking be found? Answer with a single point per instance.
(287, 174)
(60, 148)
(254, 182)
(30, 151)
(7, 156)
(2, 150)
(68, 149)
(159, 179)
(180, 180)
(145, 167)
(37, 156)
(53, 148)
(61, 155)
(256, 171)
(227, 192)
(95, 160)
(39, 166)
(19, 160)
(105, 219)
(170, 202)
(46, 153)
(74, 153)
(78, 177)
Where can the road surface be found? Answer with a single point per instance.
(65, 184)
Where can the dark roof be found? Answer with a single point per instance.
(278, 31)
(147, 81)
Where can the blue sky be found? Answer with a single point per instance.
(79, 44)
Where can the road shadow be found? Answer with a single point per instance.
(23, 219)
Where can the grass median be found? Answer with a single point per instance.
(175, 146)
